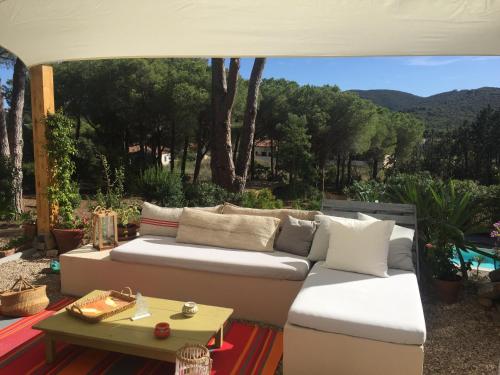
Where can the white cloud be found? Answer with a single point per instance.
(443, 60)
(431, 61)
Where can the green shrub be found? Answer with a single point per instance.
(203, 194)
(6, 188)
(161, 187)
(260, 199)
(112, 194)
(367, 191)
(486, 198)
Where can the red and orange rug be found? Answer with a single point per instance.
(248, 349)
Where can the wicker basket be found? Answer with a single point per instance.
(126, 302)
(193, 360)
(23, 299)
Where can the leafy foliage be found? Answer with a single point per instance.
(203, 194)
(162, 187)
(6, 188)
(114, 189)
(263, 198)
(61, 149)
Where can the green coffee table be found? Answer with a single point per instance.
(120, 334)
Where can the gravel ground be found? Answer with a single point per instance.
(461, 338)
(31, 269)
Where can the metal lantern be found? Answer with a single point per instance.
(105, 231)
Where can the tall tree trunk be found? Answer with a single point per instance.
(252, 161)
(199, 150)
(337, 173)
(78, 126)
(4, 139)
(248, 130)
(272, 157)
(172, 148)
(223, 94)
(236, 144)
(349, 169)
(375, 168)
(184, 155)
(342, 172)
(15, 131)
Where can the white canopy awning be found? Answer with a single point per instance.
(44, 31)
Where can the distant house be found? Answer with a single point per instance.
(262, 151)
(165, 155)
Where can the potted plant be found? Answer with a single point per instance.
(128, 217)
(13, 246)
(28, 220)
(63, 193)
(446, 279)
(68, 233)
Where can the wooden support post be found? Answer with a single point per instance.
(42, 103)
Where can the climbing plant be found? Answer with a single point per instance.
(61, 148)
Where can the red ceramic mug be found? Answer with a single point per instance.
(162, 330)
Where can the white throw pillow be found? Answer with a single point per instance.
(319, 246)
(359, 246)
(400, 246)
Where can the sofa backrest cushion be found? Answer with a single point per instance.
(295, 236)
(359, 246)
(244, 232)
(164, 221)
(319, 246)
(280, 213)
(400, 246)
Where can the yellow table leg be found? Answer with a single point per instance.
(219, 338)
(50, 349)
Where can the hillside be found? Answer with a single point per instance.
(448, 109)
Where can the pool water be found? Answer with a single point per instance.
(486, 264)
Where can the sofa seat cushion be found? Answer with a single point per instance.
(385, 309)
(165, 251)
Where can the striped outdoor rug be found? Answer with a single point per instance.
(248, 349)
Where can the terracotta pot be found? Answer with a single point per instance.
(68, 239)
(448, 291)
(29, 230)
(127, 233)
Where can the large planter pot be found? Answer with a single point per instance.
(29, 230)
(127, 233)
(67, 239)
(448, 291)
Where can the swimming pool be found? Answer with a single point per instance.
(486, 264)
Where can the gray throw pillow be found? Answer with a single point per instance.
(296, 236)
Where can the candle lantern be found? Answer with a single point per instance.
(104, 227)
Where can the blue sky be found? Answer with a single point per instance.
(422, 76)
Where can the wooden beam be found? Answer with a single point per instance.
(42, 103)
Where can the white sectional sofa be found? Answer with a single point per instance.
(334, 321)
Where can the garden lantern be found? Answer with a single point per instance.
(104, 227)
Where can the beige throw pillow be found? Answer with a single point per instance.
(164, 221)
(232, 231)
(280, 213)
(359, 246)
